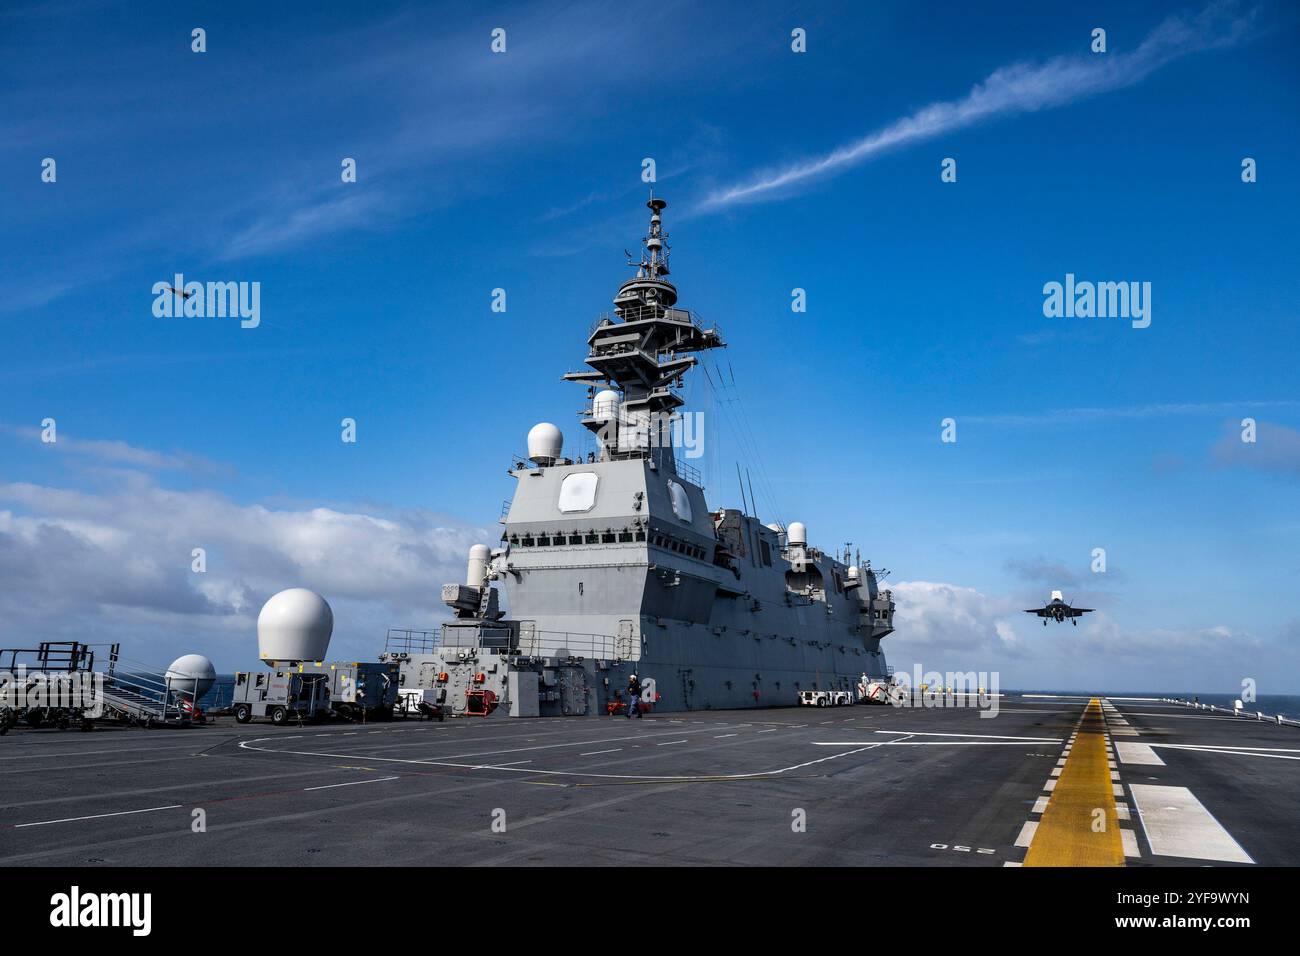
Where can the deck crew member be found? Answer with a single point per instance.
(634, 697)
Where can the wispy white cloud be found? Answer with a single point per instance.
(1019, 88)
(1085, 415)
(1276, 449)
(118, 453)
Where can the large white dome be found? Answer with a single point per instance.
(191, 670)
(545, 443)
(295, 625)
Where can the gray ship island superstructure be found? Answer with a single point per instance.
(614, 565)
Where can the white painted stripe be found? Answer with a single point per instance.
(1177, 824)
(1056, 771)
(669, 743)
(1138, 754)
(96, 816)
(353, 783)
(1049, 786)
(1027, 833)
(1121, 811)
(772, 731)
(592, 753)
(720, 736)
(1040, 805)
(1117, 789)
(1130, 841)
(1114, 776)
(1009, 863)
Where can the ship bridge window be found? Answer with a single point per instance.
(766, 550)
(575, 539)
(680, 500)
(578, 492)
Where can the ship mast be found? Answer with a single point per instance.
(641, 353)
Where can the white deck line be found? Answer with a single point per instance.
(1136, 753)
(351, 783)
(96, 816)
(1177, 824)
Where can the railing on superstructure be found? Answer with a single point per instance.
(664, 458)
(410, 640)
(675, 315)
(534, 643)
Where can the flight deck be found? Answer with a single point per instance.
(1054, 781)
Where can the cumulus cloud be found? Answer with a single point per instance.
(115, 565)
(949, 627)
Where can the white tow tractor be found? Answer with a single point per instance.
(825, 698)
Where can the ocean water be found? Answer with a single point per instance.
(1288, 705)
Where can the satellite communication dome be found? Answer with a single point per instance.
(545, 442)
(604, 406)
(853, 573)
(192, 675)
(295, 625)
(798, 534)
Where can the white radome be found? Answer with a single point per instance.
(294, 625)
(798, 534)
(545, 443)
(192, 675)
(476, 568)
(604, 407)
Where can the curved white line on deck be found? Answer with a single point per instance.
(247, 745)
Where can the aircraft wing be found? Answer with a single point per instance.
(1040, 611)
(1079, 611)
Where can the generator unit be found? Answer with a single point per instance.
(280, 696)
(358, 689)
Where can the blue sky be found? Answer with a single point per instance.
(522, 171)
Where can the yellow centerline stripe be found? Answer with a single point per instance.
(1070, 833)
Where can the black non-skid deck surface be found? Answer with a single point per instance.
(846, 785)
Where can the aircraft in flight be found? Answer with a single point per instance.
(1058, 610)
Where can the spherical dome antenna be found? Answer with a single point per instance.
(798, 534)
(545, 442)
(604, 406)
(192, 675)
(295, 625)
